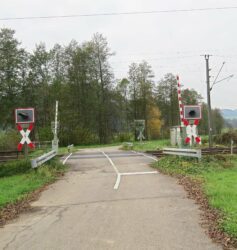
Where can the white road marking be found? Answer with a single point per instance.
(66, 159)
(116, 185)
(140, 173)
(111, 162)
(148, 156)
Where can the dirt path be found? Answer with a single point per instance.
(109, 199)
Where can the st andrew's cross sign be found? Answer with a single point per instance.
(25, 117)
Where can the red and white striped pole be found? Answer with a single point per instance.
(181, 112)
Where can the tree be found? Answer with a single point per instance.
(191, 97)
(103, 78)
(167, 101)
(141, 88)
(39, 79)
(154, 122)
(218, 121)
(12, 59)
(122, 109)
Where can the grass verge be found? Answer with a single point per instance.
(213, 183)
(148, 145)
(18, 180)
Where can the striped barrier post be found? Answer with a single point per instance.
(181, 112)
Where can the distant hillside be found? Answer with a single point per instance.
(229, 113)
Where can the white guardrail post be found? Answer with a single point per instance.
(42, 159)
(184, 152)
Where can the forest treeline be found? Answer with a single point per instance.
(94, 107)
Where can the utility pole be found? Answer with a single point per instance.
(209, 89)
(208, 101)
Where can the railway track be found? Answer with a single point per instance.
(205, 151)
(9, 155)
(14, 155)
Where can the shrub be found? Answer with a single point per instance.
(123, 137)
(14, 167)
(45, 134)
(9, 139)
(225, 138)
(78, 136)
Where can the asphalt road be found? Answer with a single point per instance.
(109, 199)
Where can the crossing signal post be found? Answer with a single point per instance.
(192, 115)
(189, 119)
(25, 119)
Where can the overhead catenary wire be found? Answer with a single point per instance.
(214, 82)
(119, 13)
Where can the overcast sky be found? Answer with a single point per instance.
(169, 42)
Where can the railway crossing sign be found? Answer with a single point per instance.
(25, 118)
(25, 137)
(191, 131)
(140, 127)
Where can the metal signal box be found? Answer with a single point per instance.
(192, 112)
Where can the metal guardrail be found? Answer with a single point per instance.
(42, 159)
(183, 152)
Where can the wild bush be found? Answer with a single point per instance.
(9, 140)
(225, 138)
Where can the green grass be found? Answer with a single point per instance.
(219, 175)
(150, 145)
(17, 179)
(221, 188)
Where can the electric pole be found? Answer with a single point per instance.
(208, 101)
